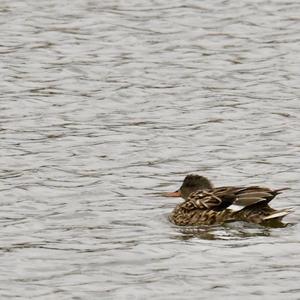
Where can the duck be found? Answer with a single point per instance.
(205, 204)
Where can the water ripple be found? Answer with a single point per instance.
(104, 106)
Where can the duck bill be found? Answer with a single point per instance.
(173, 194)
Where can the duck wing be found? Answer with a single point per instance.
(222, 197)
(215, 199)
(254, 194)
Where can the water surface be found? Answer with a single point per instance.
(106, 104)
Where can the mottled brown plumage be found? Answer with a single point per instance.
(206, 205)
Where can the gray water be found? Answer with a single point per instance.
(105, 105)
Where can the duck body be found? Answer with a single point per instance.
(183, 217)
(209, 205)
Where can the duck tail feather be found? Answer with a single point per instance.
(278, 191)
(279, 214)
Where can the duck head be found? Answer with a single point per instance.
(191, 183)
